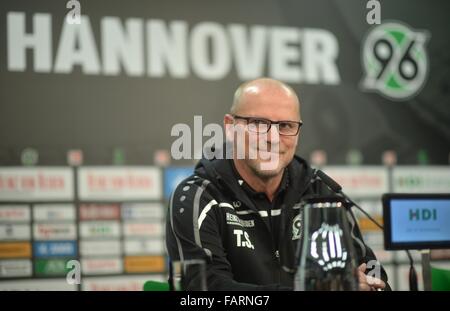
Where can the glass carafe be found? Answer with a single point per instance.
(326, 253)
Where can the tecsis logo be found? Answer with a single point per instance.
(395, 61)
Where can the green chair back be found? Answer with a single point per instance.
(156, 286)
(440, 279)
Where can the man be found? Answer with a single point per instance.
(238, 213)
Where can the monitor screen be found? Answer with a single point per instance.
(416, 221)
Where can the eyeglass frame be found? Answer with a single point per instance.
(300, 123)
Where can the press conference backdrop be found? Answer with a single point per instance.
(113, 86)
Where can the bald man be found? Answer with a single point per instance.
(237, 214)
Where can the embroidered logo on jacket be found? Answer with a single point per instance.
(242, 239)
(297, 227)
(235, 220)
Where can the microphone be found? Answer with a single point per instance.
(330, 182)
(334, 186)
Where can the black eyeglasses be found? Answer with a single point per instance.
(261, 125)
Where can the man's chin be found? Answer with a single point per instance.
(268, 169)
(267, 174)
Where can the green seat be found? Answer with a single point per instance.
(440, 279)
(156, 286)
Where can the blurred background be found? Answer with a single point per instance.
(88, 102)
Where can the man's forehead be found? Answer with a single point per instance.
(264, 94)
(257, 96)
(252, 89)
(267, 86)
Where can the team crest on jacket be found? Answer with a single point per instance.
(237, 203)
(297, 227)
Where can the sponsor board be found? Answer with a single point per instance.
(141, 264)
(15, 268)
(367, 225)
(101, 265)
(429, 179)
(100, 248)
(120, 183)
(119, 283)
(15, 250)
(383, 256)
(402, 256)
(374, 239)
(99, 212)
(403, 277)
(51, 267)
(37, 184)
(59, 284)
(371, 206)
(14, 232)
(14, 213)
(150, 229)
(142, 211)
(54, 212)
(360, 181)
(376, 242)
(100, 229)
(55, 231)
(173, 176)
(144, 246)
(55, 249)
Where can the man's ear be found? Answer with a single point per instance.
(228, 123)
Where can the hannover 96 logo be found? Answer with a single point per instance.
(395, 60)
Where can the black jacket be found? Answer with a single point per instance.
(210, 216)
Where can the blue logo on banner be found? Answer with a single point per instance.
(173, 176)
(55, 249)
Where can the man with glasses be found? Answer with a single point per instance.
(241, 213)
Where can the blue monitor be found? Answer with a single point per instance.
(416, 221)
